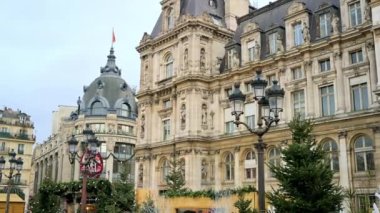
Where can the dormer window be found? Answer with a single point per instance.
(355, 14)
(169, 66)
(324, 24)
(298, 34)
(97, 108)
(170, 19)
(125, 110)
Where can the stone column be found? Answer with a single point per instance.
(309, 88)
(344, 165)
(376, 139)
(340, 96)
(217, 170)
(237, 181)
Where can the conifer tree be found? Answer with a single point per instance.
(305, 178)
(175, 179)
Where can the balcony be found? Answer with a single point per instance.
(21, 136)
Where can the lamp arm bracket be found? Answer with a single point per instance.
(259, 131)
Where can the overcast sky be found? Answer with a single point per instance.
(50, 49)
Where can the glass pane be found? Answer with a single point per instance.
(332, 104)
(367, 142)
(364, 94)
(360, 166)
(356, 98)
(370, 161)
(335, 162)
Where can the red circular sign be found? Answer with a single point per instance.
(93, 168)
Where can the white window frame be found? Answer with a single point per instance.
(324, 65)
(325, 24)
(166, 129)
(299, 105)
(298, 34)
(355, 14)
(356, 56)
(328, 100)
(297, 73)
(272, 39)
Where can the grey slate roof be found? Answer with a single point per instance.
(109, 87)
(273, 15)
(193, 8)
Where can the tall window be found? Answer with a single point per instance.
(169, 66)
(97, 108)
(170, 19)
(165, 169)
(356, 56)
(228, 119)
(250, 165)
(230, 166)
(167, 104)
(355, 14)
(297, 73)
(166, 129)
(324, 24)
(364, 152)
(123, 151)
(20, 149)
(324, 65)
(299, 103)
(251, 50)
(249, 112)
(331, 148)
(298, 34)
(327, 100)
(272, 43)
(274, 158)
(359, 97)
(124, 111)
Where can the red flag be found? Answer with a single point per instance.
(113, 37)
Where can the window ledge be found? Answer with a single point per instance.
(165, 80)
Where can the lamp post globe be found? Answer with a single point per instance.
(237, 99)
(258, 86)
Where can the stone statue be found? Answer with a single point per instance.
(204, 170)
(257, 50)
(202, 59)
(367, 13)
(279, 45)
(204, 114)
(335, 24)
(306, 33)
(186, 58)
(142, 133)
(183, 115)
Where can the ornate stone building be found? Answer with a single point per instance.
(325, 54)
(108, 106)
(17, 134)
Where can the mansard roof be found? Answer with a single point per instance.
(273, 15)
(193, 8)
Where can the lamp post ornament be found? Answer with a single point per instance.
(14, 164)
(270, 101)
(90, 162)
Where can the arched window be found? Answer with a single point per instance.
(169, 66)
(165, 169)
(331, 148)
(125, 110)
(170, 19)
(250, 165)
(97, 108)
(274, 158)
(364, 154)
(230, 166)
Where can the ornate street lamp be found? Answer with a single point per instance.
(270, 103)
(14, 164)
(88, 157)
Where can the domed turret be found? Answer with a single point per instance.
(109, 93)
